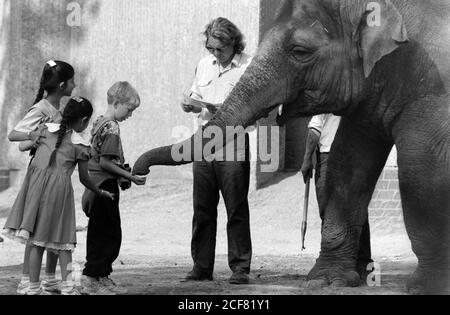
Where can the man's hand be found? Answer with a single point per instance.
(212, 109)
(190, 105)
(307, 169)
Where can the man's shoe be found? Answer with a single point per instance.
(239, 278)
(197, 276)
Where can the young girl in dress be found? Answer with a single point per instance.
(57, 81)
(44, 212)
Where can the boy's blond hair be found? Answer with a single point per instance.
(124, 93)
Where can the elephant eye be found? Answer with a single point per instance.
(302, 54)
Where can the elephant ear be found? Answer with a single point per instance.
(380, 32)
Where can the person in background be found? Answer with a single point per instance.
(321, 135)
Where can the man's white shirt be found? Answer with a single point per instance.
(213, 84)
(327, 125)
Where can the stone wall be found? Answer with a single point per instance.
(155, 45)
(32, 32)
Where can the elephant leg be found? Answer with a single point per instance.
(365, 252)
(355, 164)
(424, 186)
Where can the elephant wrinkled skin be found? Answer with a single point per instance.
(389, 83)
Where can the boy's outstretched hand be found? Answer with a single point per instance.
(139, 181)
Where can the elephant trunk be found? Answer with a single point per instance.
(254, 97)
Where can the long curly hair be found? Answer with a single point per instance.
(227, 32)
(76, 109)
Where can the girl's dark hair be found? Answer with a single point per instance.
(54, 73)
(227, 32)
(76, 109)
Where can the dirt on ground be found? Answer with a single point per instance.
(155, 254)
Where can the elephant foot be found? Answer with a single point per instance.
(317, 284)
(429, 282)
(332, 274)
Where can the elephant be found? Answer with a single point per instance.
(375, 64)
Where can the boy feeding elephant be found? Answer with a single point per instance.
(107, 169)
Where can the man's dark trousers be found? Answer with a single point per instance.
(233, 180)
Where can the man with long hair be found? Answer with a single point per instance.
(216, 76)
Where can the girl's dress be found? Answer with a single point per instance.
(44, 211)
(40, 113)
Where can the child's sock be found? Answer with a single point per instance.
(50, 283)
(67, 288)
(24, 285)
(35, 288)
(35, 285)
(25, 279)
(50, 276)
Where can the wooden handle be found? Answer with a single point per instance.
(305, 213)
(306, 204)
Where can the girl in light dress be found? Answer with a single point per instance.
(57, 81)
(43, 215)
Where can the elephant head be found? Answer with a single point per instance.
(315, 59)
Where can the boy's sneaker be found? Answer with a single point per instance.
(51, 286)
(91, 286)
(112, 286)
(23, 287)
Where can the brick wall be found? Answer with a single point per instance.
(385, 210)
